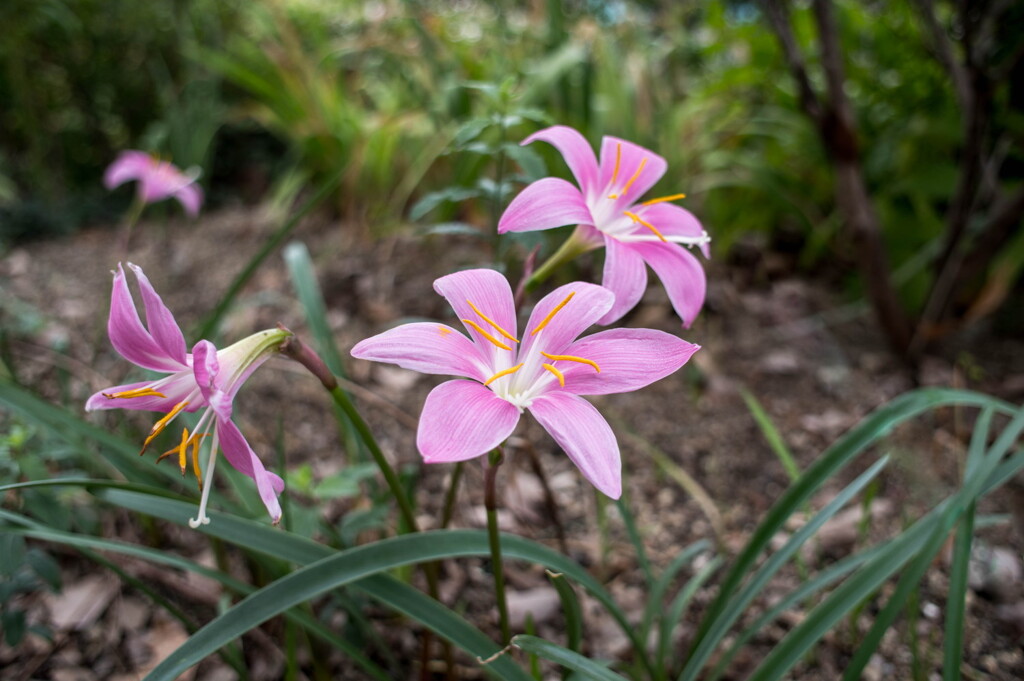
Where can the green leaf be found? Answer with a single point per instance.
(871, 429)
(434, 199)
(772, 435)
(45, 567)
(14, 626)
(12, 553)
(570, 610)
(656, 595)
(565, 657)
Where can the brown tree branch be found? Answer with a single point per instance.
(945, 54)
(837, 129)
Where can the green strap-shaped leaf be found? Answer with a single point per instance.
(565, 657)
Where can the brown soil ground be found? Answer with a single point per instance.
(816, 367)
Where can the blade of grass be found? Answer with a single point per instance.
(565, 657)
(570, 609)
(867, 432)
(735, 606)
(660, 587)
(670, 620)
(209, 326)
(772, 435)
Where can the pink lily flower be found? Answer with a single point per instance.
(206, 378)
(544, 372)
(605, 207)
(157, 179)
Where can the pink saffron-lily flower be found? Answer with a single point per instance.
(206, 378)
(158, 180)
(607, 210)
(544, 372)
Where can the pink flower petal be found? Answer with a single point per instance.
(625, 275)
(191, 198)
(584, 435)
(490, 292)
(632, 158)
(206, 369)
(129, 337)
(462, 420)
(547, 203)
(129, 165)
(589, 303)
(175, 389)
(576, 151)
(162, 327)
(425, 347)
(240, 455)
(673, 220)
(681, 274)
(629, 359)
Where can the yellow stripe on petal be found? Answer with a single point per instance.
(487, 335)
(159, 426)
(138, 392)
(558, 374)
(505, 372)
(544, 322)
(493, 323)
(572, 358)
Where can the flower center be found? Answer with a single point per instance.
(533, 375)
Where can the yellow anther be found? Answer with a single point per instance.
(493, 323)
(558, 374)
(194, 440)
(504, 372)
(443, 330)
(544, 322)
(179, 450)
(138, 392)
(639, 220)
(487, 335)
(662, 199)
(159, 426)
(572, 358)
(618, 160)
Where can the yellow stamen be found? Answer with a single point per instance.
(618, 160)
(194, 440)
(487, 335)
(494, 324)
(662, 199)
(572, 358)
(179, 450)
(138, 392)
(159, 426)
(635, 175)
(443, 330)
(544, 322)
(636, 218)
(505, 372)
(558, 374)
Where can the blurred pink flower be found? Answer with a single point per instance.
(205, 379)
(545, 373)
(157, 179)
(605, 208)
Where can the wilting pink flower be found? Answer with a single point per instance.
(605, 207)
(206, 379)
(157, 179)
(544, 372)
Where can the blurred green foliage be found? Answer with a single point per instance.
(420, 105)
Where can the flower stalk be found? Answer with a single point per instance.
(494, 460)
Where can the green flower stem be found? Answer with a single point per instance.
(490, 503)
(390, 477)
(568, 251)
(449, 499)
(130, 219)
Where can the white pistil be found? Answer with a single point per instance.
(678, 239)
(203, 519)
